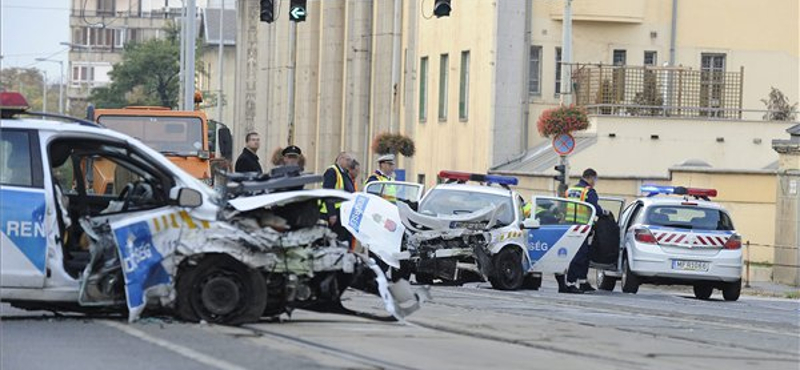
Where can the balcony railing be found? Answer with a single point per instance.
(658, 91)
(169, 13)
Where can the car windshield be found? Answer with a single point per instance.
(689, 217)
(457, 202)
(169, 135)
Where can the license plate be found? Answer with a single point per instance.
(689, 265)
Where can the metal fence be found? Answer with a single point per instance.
(657, 91)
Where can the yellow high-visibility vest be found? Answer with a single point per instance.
(339, 185)
(577, 213)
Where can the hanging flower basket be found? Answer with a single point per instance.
(562, 120)
(387, 143)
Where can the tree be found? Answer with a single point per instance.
(147, 75)
(779, 107)
(28, 82)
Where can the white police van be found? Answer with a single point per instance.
(158, 237)
(459, 231)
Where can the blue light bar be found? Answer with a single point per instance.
(652, 190)
(502, 180)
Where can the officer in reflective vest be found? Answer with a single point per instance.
(337, 177)
(384, 172)
(579, 266)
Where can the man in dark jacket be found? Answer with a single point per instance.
(248, 160)
(337, 176)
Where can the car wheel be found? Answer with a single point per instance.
(703, 291)
(532, 282)
(423, 278)
(630, 282)
(220, 290)
(605, 282)
(508, 273)
(731, 291)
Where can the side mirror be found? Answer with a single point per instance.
(530, 223)
(189, 198)
(225, 142)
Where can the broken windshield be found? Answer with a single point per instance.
(450, 202)
(168, 135)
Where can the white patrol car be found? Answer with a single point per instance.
(684, 240)
(461, 230)
(158, 236)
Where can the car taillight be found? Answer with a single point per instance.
(735, 242)
(644, 236)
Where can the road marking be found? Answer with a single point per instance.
(178, 349)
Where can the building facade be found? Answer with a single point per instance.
(100, 29)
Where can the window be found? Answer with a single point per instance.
(423, 89)
(693, 218)
(443, 65)
(535, 71)
(20, 165)
(105, 7)
(650, 58)
(119, 38)
(463, 90)
(560, 211)
(421, 178)
(82, 74)
(712, 82)
(620, 57)
(558, 70)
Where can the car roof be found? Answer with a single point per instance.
(677, 201)
(496, 190)
(60, 126)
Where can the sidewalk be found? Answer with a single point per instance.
(771, 289)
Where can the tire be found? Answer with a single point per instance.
(605, 282)
(731, 291)
(508, 274)
(532, 282)
(423, 278)
(630, 282)
(220, 290)
(703, 291)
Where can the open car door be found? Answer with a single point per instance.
(393, 191)
(604, 250)
(564, 224)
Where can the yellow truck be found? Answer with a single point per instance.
(187, 138)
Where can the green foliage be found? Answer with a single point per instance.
(28, 82)
(387, 143)
(780, 109)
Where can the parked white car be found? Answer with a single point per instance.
(675, 235)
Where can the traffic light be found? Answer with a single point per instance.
(297, 10)
(441, 8)
(267, 12)
(561, 177)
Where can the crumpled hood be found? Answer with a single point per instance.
(249, 203)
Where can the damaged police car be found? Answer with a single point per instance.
(157, 238)
(461, 232)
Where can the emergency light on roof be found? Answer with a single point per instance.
(12, 103)
(491, 179)
(652, 190)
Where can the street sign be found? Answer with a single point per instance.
(297, 13)
(563, 144)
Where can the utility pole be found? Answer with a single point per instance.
(220, 59)
(44, 91)
(188, 76)
(60, 82)
(566, 54)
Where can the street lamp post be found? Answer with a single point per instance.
(44, 92)
(60, 82)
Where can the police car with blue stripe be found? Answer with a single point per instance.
(676, 235)
(476, 227)
(157, 236)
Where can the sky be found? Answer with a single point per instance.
(31, 29)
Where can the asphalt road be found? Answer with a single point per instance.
(469, 327)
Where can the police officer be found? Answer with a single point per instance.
(385, 170)
(292, 156)
(337, 176)
(579, 266)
